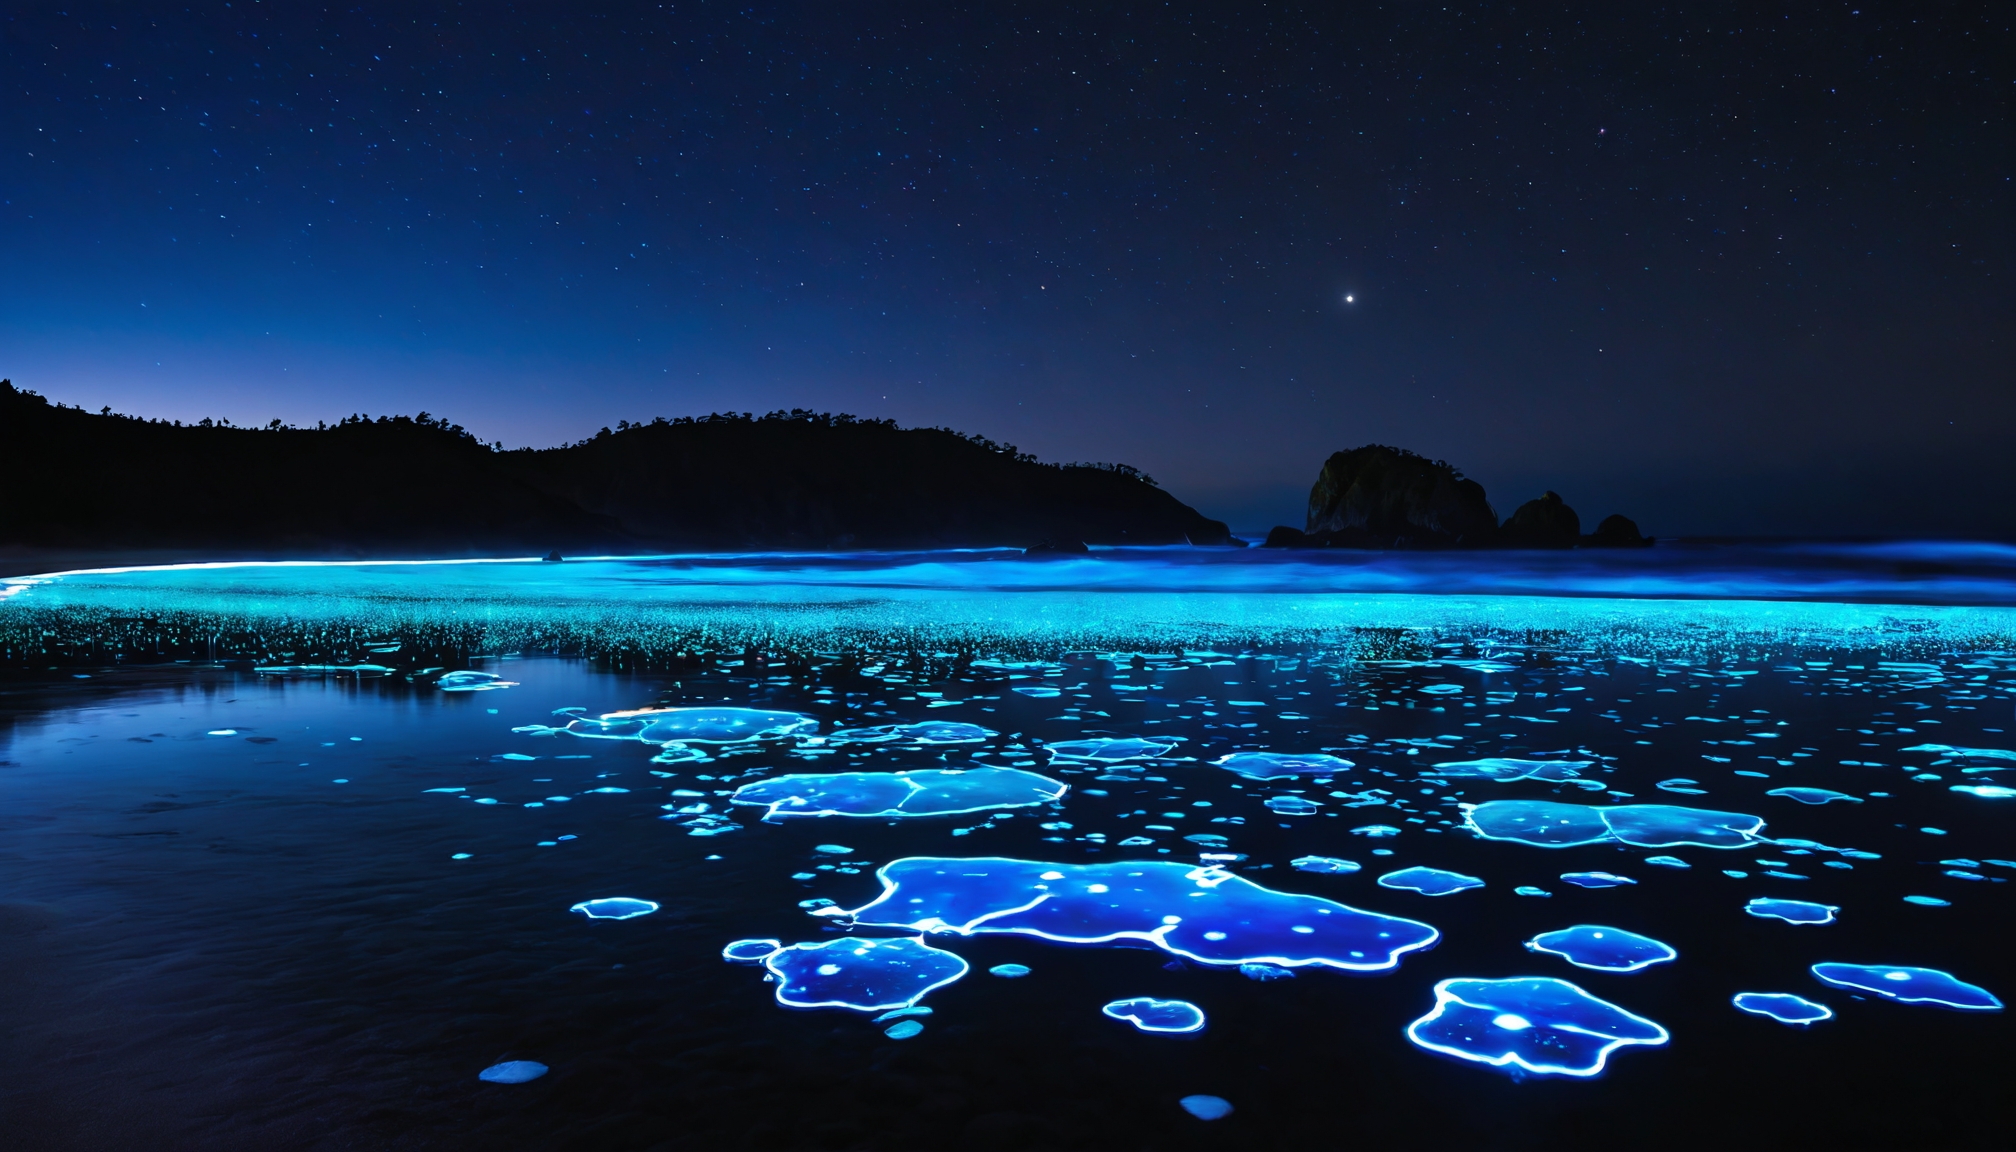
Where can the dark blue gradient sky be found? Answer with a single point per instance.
(1735, 268)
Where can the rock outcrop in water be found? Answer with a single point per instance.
(1383, 497)
(101, 485)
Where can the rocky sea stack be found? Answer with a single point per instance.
(1383, 497)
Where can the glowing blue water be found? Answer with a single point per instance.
(1282, 765)
(1204, 914)
(1910, 985)
(1596, 879)
(1152, 1015)
(679, 726)
(1503, 769)
(866, 974)
(1108, 751)
(1206, 1107)
(926, 733)
(1783, 1007)
(1603, 948)
(513, 1072)
(1791, 911)
(1534, 1023)
(925, 792)
(1429, 881)
(1813, 795)
(1547, 824)
(471, 682)
(615, 908)
(1325, 865)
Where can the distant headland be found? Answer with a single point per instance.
(99, 485)
(1381, 497)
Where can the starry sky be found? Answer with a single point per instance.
(1729, 269)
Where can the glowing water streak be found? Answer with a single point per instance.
(925, 792)
(1910, 985)
(1548, 824)
(1783, 1007)
(1791, 911)
(1202, 913)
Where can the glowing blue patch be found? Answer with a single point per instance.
(1009, 971)
(863, 973)
(1667, 862)
(1909, 985)
(1291, 806)
(1263, 972)
(691, 725)
(1542, 1025)
(928, 732)
(1282, 765)
(1503, 770)
(513, 1072)
(750, 951)
(1547, 824)
(1429, 881)
(1204, 914)
(1206, 1107)
(903, 1030)
(1603, 949)
(1813, 795)
(1108, 751)
(927, 792)
(1986, 791)
(1530, 890)
(1595, 879)
(473, 682)
(1783, 1007)
(615, 908)
(1792, 911)
(1928, 901)
(1324, 865)
(1152, 1015)
(1965, 753)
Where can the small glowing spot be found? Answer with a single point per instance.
(829, 969)
(1510, 1022)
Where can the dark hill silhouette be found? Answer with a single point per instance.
(418, 485)
(1378, 496)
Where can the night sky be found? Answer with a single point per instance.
(1726, 268)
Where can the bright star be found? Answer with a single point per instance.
(1347, 298)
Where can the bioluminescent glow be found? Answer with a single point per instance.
(1530, 890)
(1964, 753)
(863, 973)
(1503, 770)
(1783, 1007)
(926, 733)
(1909, 985)
(1928, 901)
(513, 1072)
(1667, 862)
(1201, 913)
(1549, 824)
(903, 1030)
(1206, 1107)
(678, 726)
(1282, 765)
(750, 951)
(1791, 911)
(1009, 971)
(925, 792)
(1986, 791)
(1108, 751)
(1324, 865)
(1292, 805)
(1813, 795)
(1429, 881)
(615, 908)
(1603, 948)
(1152, 1015)
(472, 682)
(1262, 971)
(1538, 1024)
(1596, 879)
